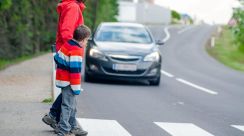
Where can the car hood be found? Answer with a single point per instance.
(125, 48)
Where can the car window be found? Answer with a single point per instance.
(123, 34)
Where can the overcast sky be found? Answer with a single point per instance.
(211, 11)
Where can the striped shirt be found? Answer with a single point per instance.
(69, 64)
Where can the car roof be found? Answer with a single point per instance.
(122, 24)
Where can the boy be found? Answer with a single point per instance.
(68, 78)
(70, 17)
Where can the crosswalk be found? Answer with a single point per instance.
(238, 127)
(100, 127)
(183, 129)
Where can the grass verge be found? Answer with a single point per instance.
(226, 51)
(47, 100)
(4, 63)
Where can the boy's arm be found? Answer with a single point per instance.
(60, 58)
(75, 73)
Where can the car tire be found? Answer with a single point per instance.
(155, 82)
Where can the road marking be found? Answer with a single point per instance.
(97, 127)
(185, 29)
(196, 86)
(182, 129)
(238, 127)
(166, 30)
(166, 73)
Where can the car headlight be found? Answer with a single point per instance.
(152, 57)
(95, 53)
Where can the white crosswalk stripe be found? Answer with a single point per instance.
(238, 127)
(182, 129)
(98, 127)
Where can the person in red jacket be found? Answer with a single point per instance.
(70, 17)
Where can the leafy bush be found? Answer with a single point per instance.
(239, 28)
(29, 26)
(175, 15)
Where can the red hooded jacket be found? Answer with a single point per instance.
(70, 17)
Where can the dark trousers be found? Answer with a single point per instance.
(55, 110)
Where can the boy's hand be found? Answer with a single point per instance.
(78, 92)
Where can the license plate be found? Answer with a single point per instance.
(124, 67)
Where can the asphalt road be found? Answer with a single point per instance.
(198, 96)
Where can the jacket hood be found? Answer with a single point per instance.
(65, 3)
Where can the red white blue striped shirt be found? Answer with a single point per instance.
(69, 63)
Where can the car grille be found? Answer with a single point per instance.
(121, 59)
(123, 73)
(124, 58)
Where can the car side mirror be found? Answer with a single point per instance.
(91, 38)
(160, 42)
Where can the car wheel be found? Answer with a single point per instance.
(155, 82)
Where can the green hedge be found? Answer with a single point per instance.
(29, 26)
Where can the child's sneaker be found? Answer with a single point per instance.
(78, 132)
(60, 134)
(49, 120)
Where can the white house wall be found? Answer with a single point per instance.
(144, 13)
(127, 12)
(152, 14)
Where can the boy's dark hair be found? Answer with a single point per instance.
(81, 32)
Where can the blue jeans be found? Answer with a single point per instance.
(68, 111)
(55, 110)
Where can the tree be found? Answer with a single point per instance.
(105, 15)
(5, 4)
(100, 11)
(239, 28)
(175, 15)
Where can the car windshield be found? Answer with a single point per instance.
(123, 34)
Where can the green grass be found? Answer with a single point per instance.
(5, 63)
(227, 52)
(47, 100)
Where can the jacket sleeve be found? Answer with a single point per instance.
(71, 15)
(75, 65)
